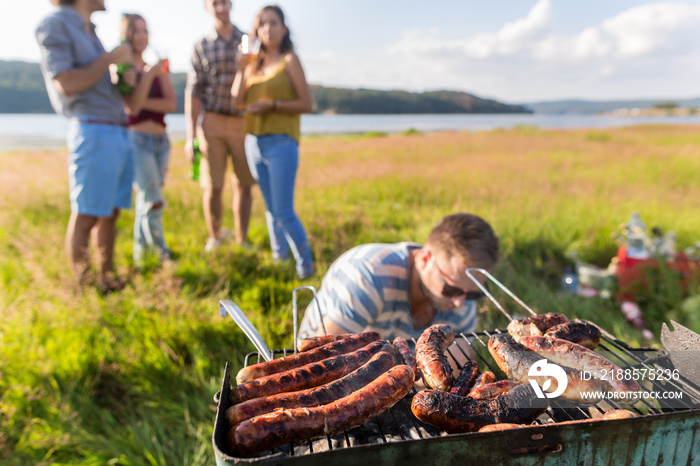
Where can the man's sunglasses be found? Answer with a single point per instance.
(449, 291)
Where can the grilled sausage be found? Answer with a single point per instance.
(516, 361)
(406, 356)
(535, 325)
(463, 414)
(583, 333)
(465, 380)
(431, 359)
(615, 414)
(376, 366)
(308, 376)
(566, 353)
(294, 425)
(484, 378)
(306, 344)
(492, 390)
(346, 345)
(609, 416)
(499, 427)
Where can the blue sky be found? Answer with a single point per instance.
(509, 50)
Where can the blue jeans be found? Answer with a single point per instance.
(273, 160)
(151, 158)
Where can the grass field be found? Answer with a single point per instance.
(128, 378)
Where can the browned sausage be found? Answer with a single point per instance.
(294, 425)
(535, 325)
(308, 376)
(376, 366)
(499, 427)
(306, 344)
(583, 333)
(516, 361)
(463, 414)
(581, 359)
(406, 356)
(335, 348)
(465, 380)
(431, 359)
(484, 378)
(492, 390)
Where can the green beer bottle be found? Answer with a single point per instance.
(197, 153)
(122, 86)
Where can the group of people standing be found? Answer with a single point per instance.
(240, 106)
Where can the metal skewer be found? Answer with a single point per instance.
(486, 292)
(295, 312)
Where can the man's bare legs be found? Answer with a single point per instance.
(242, 206)
(104, 229)
(105, 238)
(213, 211)
(78, 245)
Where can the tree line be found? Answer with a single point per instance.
(22, 90)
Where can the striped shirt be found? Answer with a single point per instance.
(213, 70)
(367, 288)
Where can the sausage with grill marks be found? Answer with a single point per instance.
(295, 425)
(535, 325)
(376, 366)
(516, 361)
(306, 344)
(308, 376)
(465, 380)
(610, 415)
(566, 353)
(492, 390)
(335, 348)
(406, 356)
(582, 333)
(431, 359)
(463, 414)
(484, 378)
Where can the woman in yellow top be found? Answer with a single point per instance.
(274, 92)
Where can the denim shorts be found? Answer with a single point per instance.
(100, 168)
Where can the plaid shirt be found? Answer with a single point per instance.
(213, 69)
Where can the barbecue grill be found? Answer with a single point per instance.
(666, 431)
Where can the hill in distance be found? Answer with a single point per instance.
(22, 91)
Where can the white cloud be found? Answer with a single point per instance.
(639, 51)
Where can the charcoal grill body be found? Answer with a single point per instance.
(671, 437)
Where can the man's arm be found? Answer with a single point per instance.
(76, 80)
(193, 102)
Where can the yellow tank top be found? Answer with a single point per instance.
(275, 86)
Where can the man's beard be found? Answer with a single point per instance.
(434, 301)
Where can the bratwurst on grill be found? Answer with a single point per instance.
(535, 325)
(516, 362)
(294, 425)
(308, 376)
(376, 366)
(431, 359)
(454, 413)
(582, 333)
(406, 356)
(345, 345)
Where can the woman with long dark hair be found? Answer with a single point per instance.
(274, 92)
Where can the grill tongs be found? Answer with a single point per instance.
(485, 290)
(230, 307)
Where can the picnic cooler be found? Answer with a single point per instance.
(666, 431)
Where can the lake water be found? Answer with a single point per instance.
(19, 131)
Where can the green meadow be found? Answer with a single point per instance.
(128, 378)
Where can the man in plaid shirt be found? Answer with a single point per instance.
(211, 114)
